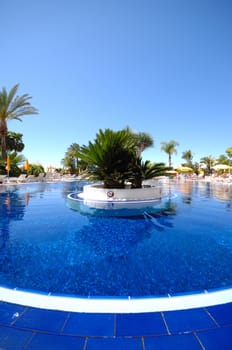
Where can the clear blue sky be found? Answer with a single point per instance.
(159, 66)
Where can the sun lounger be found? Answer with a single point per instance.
(3, 179)
(31, 178)
(22, 178)
(41, 177)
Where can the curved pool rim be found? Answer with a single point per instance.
(74, 303)
(120, 304)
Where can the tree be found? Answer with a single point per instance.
(169, 148)
(16, 160)
(222, 159)
(208, 162)
(142, 140)
(12, 107)
(71, 160)
(109, 157)
(229, 153)
(196, 168)
(141, 171)
(112, 158)
(188, 156)
(35, 169)
(14, 142)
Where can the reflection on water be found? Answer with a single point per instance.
(221, 191)
(186, 188)
(46, 245)
(12, 208)
(15, 200)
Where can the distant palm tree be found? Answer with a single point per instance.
(169, 148)
(223, 159)
(12, 106)
(71, 160)
(188, 156)
(208, 163)
(142, 140)
(229, 153)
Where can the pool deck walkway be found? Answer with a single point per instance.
(27, 328)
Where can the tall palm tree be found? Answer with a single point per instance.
(71, 158)
(12, 106)
(169, 148)
(142, 140)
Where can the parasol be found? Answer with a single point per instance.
(8, 165)
(184, 169)
(26, 166)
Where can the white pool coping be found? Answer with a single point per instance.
(116, 305)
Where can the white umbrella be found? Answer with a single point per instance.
(172, 172)
(221, 167)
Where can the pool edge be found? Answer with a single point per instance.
(117, 304)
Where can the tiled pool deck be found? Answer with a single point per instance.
(206, 328)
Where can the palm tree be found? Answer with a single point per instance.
(109, 157)
(16, 161)
(12, 106)
(141, 171)
(208, 162)
(188, 156)
(169, 148)
(71, 160)
(223, 159)
(142, 140)
(112, 158)
(14, 142)
(229, 153)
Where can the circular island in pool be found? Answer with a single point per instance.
(179, 243)
(113, 199)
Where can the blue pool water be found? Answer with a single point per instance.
(184, 245)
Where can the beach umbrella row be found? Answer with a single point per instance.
(184, 169)
(221, 167)
(8, 167)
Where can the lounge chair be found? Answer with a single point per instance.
(22, 178)
(41, 177)
(31, 178)
(52, 177)
(3, 179)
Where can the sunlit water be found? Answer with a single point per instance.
(184, 245)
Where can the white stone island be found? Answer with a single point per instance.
(96, 196)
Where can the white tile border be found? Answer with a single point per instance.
(117, 305)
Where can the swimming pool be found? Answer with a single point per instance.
(185, 245)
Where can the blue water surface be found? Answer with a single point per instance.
(184, 245)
